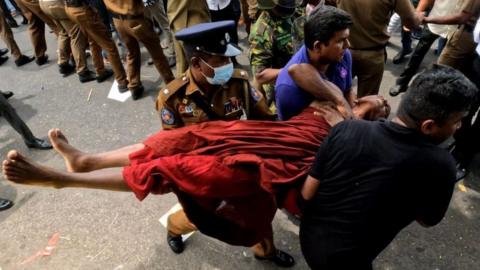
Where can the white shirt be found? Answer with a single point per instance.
(444, 8)
(217, 4)
(476, 36)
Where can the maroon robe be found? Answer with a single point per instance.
(230, 177)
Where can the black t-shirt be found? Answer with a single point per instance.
(375, 179)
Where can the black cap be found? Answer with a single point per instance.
(211, 38)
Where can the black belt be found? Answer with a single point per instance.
(467, 28)
(74, 3)
(125, 17)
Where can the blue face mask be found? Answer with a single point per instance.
(221, 74)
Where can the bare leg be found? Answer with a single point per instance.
(19, 169)
(78, 161)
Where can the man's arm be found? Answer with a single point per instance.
(459, 18)
(308, 78)
(267, 75)
(424, 5)
(410, 18)
(309, 188)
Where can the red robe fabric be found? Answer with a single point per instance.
(230, 177)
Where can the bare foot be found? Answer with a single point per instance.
(74, 158)
(18, 169)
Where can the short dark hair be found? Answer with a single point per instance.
(323, 23)
(436, 94)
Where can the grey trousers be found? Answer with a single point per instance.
(9, 113)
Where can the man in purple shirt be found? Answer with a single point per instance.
(321, 68)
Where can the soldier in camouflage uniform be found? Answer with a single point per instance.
(272, 41)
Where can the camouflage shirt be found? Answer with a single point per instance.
(270, 42)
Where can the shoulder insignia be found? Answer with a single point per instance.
(173, 87)
(240, 74)
(167, 117)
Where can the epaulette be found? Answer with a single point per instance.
(240, 74)
(173, 87)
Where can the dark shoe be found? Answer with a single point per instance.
(42, 60)
(24, 20)
(3, 51)
(280, 258)
(122, 88)
(66, 69)
(7, 94)
(12, 24)
(105, 75)
(86, 76)
(137, 92)
(150, 62)
(397, 59)
(39, 144)
(397, 89)
(5, 204)
(3, 59)
(23, 59)
(175, 243)
(461, 172)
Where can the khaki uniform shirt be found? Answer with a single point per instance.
(177, 103)
(125, 7)
(371, 18)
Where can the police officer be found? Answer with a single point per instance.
(7, 36)
(182, 14)
(211, 89)
(133, 27)
(90, 23)
(271, 42)
(71, 40)
(36, 28)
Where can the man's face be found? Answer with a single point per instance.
(206, 66)
(335, 49)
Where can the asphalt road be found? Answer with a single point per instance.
(90, 229)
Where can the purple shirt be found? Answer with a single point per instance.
(291, 99)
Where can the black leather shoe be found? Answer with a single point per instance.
(5, 204)
(42, 60)
(3, 59)
(66, 69)
(137, 92)
(280, 258)
(105, 75)
(175, 243)
(12, 23)
(86, 76)
(396, 89)
(122, 88)
(397, 59)
(7, 94)
(3, 51)
(23, 59)
(39, 144)
(24, 20)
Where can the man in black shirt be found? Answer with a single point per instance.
(372, 179)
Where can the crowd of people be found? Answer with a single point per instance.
(297, 135)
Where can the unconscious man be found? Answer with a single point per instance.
(236, 166)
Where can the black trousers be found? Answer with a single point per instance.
(426, 40)
(228, 13)
(466, 138)
(9, 113)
